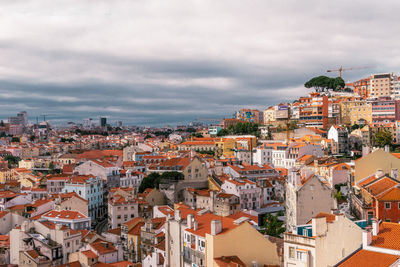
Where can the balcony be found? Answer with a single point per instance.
(298, 239)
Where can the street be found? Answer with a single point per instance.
(101, 226)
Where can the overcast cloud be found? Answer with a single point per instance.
(164, 62)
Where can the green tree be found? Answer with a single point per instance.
(322, 83)
(15, 139)
(198, 135)
(51, 168)
(153, 180)
(383, 138)
(150, 181)
(273, 226)
(355, 127)
(32, 138)
(12, 161)
(242, 128)
(223, 132)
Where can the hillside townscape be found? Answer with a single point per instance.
(312, 182)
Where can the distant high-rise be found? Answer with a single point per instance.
(87, 123)
(118, 123)
(24, 117)
(103, 121)
(20, 119)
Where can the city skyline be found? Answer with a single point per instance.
(155, 63)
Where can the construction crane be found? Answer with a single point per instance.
(341, 69)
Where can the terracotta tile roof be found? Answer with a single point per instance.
(52, 226)
(81, 179)
(89, 254)
(388, 236)
(379, 186)
(115, 231)
(7, 194)
(204, 224)
(136, 229)
(4, 241)
(103, 247)
(133, 221)
(161, 245)
(58, 178)
(229, 261)
(329, 217)
(366, 258)
(390, 195)
(64, 214)
(103, 163)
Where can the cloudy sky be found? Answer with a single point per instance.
(149, 62)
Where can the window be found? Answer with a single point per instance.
(291, 252)
(399, 205)
(387, 205)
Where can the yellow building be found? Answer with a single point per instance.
(226, 147)
(5, 175)
(133, 240)
(363, 111)
(346, 107)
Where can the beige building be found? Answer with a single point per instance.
(54, 241)
(269, 115)
(306, 195)
(71, 201)
(358, 112)
(203, 237)
(381, 85)
(32, 258)
(121, 209)
(324, 241)
(377, 160)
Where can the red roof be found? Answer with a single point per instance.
(64, 214)
(103, 247)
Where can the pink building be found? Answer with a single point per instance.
(249, 194)
(385, 110)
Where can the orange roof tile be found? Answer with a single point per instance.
(366, 258)
(388, 236)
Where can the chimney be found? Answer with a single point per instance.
(395, 173)
(189, 221)
(319, 226)
(178, 216)
(379, 173)
(387, 149)
(366, 238)
(216, 227)
(375, 227)
(58, 226)
(195, 225)
(212, 199)
(254, 264)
